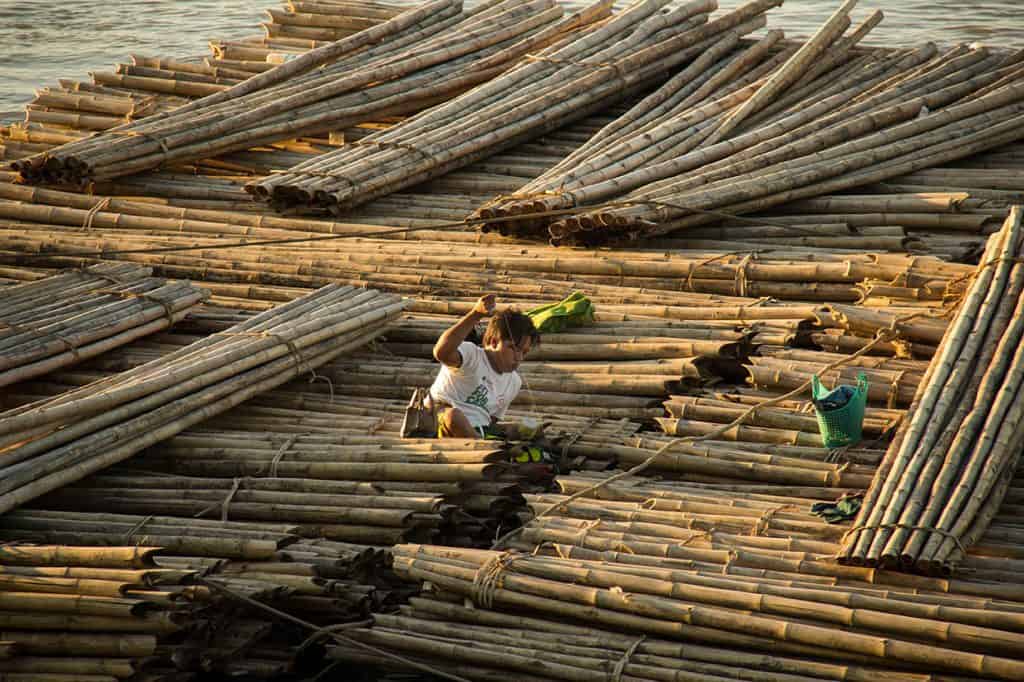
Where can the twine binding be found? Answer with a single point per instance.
(90, 215)
(69, 345)
(488, 579)
(907, 526)
(279, 455)
(137, 527)
(620, 666)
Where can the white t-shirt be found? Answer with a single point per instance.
(475, 387)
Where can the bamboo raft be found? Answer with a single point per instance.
(68, 318)
(946, 472)
(640, 43)
(57, 441)
(302, 490)
(686, 153)
(398, 66)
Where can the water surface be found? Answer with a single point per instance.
(43, 40)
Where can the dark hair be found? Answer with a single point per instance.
(511, 325)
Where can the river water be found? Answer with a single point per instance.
(43, 40)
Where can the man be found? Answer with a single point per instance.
(477, 384)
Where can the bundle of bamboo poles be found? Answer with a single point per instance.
(87, 614)
(681, 600)
(344, 510)
(734, 579)
(783, 424)
(401, 65)
(149, 609)
(71, 317)
(331, 466)
(946, 473)
(746, 146)
(60, 440)
(327, 21)
(746, 453)
(434, 628)
(556, 85)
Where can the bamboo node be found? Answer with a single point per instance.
(620, 666)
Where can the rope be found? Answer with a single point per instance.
(893, 394)
(616, 675)
(330, 631)
(69, 345)
(615, 66)
(487, 580)
(907, 526)
(883, 335)
(137, 527)
(571, 440)
(741, 275)
(152, 138)
(292, 348)
(168, 310)
(101, 205)
(313, 377)
(225, 505)
(279, 455)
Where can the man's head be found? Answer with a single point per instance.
(509, 337)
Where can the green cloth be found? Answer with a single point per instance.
(574, 310)
(843, 509)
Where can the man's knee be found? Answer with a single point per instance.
(452, 423)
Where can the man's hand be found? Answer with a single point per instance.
(485, 306)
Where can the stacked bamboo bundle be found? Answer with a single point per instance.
(400, 65)
(88, 614)
(71, 317)
(326, 21)
(696, 601)
(946, 473)
(150, 611)
(783, 424)
(316, 505)
(891, 381)
(742, 149)
(60, 440)
(556, 85)
(628, 386)
(951, 225)
(735, 578)
(542, 646)
(746, 453)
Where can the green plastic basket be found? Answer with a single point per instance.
(843, 425)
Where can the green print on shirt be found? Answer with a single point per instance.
(478, 397)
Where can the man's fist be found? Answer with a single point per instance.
(485, 306)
